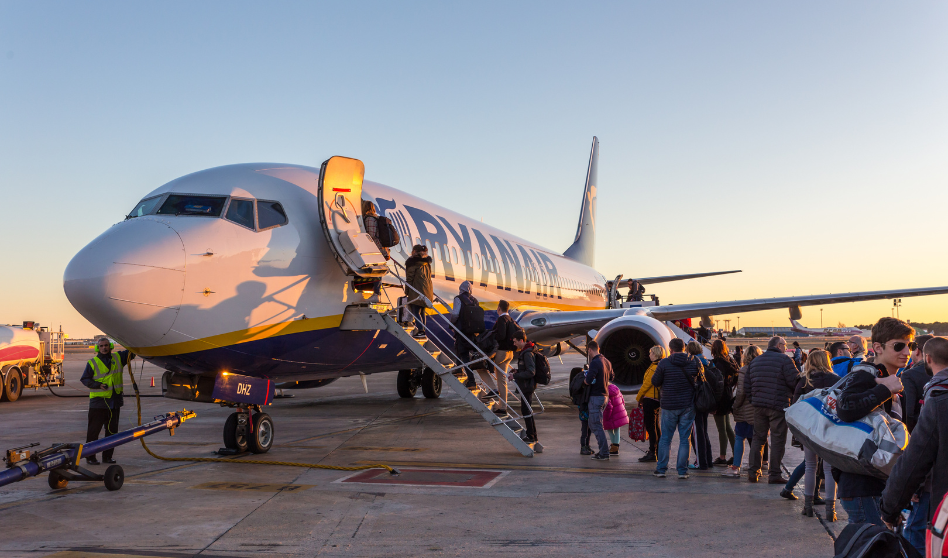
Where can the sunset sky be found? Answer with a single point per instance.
(805, 143)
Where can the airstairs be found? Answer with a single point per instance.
(340, 214)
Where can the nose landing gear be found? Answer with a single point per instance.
(244, 431)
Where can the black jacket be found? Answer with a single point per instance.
(729, 372)
(598, 376)
(504, 329)
(678, 390)
(770, 380)
(818, 380)
(927, 451)
(914, 380)
(860, 396)
(526, 368)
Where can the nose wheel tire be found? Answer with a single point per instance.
(405, 384)
(114, 477)
(57, 481)
(235, 432)
(261, 437)
(12, 385)
(430, 384)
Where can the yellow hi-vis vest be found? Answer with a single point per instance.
(110, 376)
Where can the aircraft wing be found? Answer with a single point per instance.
(624, 284)
(550, 327)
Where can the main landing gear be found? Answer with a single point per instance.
(245, 431)
(409, 381)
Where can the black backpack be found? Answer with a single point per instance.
(471, 317)
(705, 401)
(542, 372)
(865, 540)
(388, 234)
(578, 390)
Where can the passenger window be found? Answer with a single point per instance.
(469, 262)
(240, 212)
(437, 251)
(455, 254)
(205, 206)
(270, 214)
(477, 261)
(144, 207)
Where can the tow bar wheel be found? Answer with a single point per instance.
(57, 481)
(261, 439)
(114, 477)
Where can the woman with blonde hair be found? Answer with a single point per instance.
(700, 438)
(817, 374)
(648, 398)
(743, 415)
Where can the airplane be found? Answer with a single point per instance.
(242, 273)
(828, 331)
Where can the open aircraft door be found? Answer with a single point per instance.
(340, 214)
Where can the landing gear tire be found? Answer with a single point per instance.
(405, 384)
(114, 477)
(627, 350)
(430, 384)
(262, 434)
(235, 432)
(57, 481)
(12, 385)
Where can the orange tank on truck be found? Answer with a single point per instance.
(31, 357)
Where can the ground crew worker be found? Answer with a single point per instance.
(103, 375)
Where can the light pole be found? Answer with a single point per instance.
(738, 323)
(897, 302)
(821, 318)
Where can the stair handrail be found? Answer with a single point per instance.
(428, 303)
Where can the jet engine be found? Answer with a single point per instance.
(625, 341)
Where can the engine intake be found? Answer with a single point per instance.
(626, 342)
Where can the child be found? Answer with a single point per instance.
(614, 417)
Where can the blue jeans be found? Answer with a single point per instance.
(682, 419)
(865, 510)
(597, 404)
(917, 522)
(795, 476)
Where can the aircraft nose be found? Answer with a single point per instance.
(129, 281)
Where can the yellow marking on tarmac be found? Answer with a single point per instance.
(376, 448)
(261, 487)
(505, 466)
(86, 554)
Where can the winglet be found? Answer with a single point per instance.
(584, 246)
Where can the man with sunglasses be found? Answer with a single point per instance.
(868, 387)
(842, 358)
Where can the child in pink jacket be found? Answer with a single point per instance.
(614, 417)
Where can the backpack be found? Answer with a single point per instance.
(471, 316)
(542, 373)
(388, 234)
(865, 540)
(705, 401)
(487, 343)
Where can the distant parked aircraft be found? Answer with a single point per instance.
(828, 331)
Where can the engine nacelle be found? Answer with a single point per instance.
(625, 341)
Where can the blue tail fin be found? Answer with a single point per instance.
(584, 246)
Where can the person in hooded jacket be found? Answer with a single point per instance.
(743, 415)
(723, 363)
(870, 387)
(614, 417)
(418, 275)
(676, 376)
(817, 374)
(648, 399)
(525, 376)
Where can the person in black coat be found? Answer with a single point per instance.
(729, 370)
(769, 384)
(869, 387)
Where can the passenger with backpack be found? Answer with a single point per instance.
(598, 377)
(579, 394)
(418, 276)
(468, 317)
(648, 399)
(702, 441)
(526, 376)
(723, 363)
(378, 228)
(675, 376)
(503, 332)
(743, 415)
(925, 460)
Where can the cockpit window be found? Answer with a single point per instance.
(144, 207)
(240, 212)
(207, 206)
(270, 214)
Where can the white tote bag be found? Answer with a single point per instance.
(869, 446)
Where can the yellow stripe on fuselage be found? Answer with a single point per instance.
(300, 326)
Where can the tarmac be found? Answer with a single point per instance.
(463, 491)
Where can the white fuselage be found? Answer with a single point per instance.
(204, 294)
